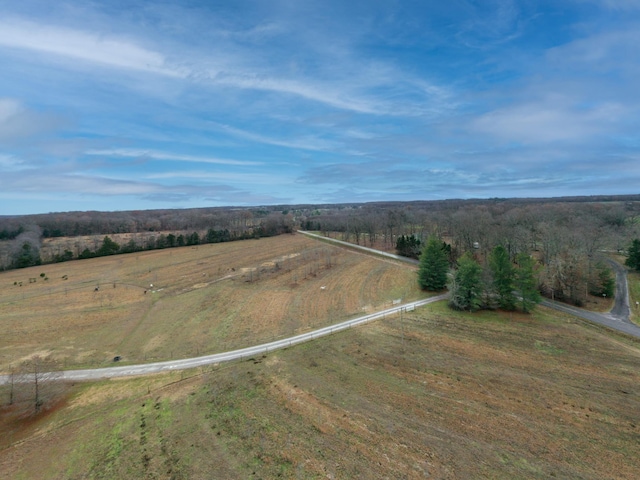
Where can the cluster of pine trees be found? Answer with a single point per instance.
(501, 283)
(408, 246)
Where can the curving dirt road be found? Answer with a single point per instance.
(373, 251)
(243, 353)
(617, 319)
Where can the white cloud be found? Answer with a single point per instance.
(599, 51)
(326, 94)
(374, 90)
(11, 163)
(490, 23)
(18, 122)
(236, 178)
(304, 143)
(9, 108)
(156, 155)
(83, 46)
(51, 182)
(620, 5)
(549, 122)
(346, 85)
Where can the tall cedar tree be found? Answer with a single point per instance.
(466, 285)
(633, 259)
(525, 282)
(432, 273)
(109, 247)
(503, 276)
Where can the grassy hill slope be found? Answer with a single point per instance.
(436, 394)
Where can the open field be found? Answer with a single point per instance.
(189, 301)
(634, 296)
(431, 394)
(436, 394)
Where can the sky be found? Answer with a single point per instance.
(135, 105)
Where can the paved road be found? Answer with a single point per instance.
(618, 317)
(621, 308)
(605, 319)
(244, 353)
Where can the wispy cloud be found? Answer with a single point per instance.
(168, 156)
(618, 5)
(309, 143)
(224, 177)
(18, 122)
(549, 121)
(242, 72)
(157, 102)
(83, 46)
(92, 187)
(600, 57)
(10, 163)
(490, 23)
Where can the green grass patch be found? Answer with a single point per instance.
(634, 295)
(547, 347)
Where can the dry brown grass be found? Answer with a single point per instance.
(434, 394)
(457, 396)
(204, 299)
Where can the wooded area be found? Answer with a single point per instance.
(567, 237)
(57, 237)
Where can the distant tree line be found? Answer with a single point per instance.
(23, 243)
(73, 224)
(568, 238)
(110, 247)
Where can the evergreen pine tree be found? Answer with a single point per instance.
(525, 282)
(466, 285)
(607, 282)
(109, 247)
(503, 275)
(27, 256)
(633, 258)
(432, 273)
(401, 245)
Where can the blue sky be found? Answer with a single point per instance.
(130, 105)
